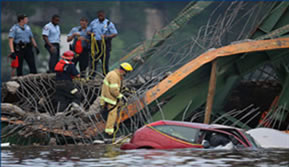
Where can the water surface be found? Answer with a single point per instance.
(109, 155)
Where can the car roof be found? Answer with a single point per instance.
(191, 124)
(223, 126)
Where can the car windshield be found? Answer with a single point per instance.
(181, 132)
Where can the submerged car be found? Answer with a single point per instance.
(176, 134)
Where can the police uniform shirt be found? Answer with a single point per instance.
(69, 70)
(52, 32)
(19, 33)
(101, 28)
(82, 34)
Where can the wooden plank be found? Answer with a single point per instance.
(211, 93)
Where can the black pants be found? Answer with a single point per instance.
(54, 56)
(103, 55)
(63, 94)
(83, 61)
(27, 54)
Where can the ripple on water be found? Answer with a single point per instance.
(105, 155)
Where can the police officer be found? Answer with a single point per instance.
(20, 43)
(51, 37)
(103, 31)
(79, 34)
(65, 70)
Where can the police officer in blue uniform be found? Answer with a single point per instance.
(102, 28)
(21, 41)
(51, 37)
(65, 70)
(80, 33)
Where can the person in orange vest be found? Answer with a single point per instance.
(66, 92)
(111, 96)
(80, 44)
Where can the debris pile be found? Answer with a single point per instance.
(29, 107)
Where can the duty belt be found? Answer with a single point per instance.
(21, 45)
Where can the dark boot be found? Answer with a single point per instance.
(108, 138)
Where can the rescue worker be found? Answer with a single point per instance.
(102, 31)
(79, 34)
(51, 37)
(111, 95)
(65, 69)
(21, 41)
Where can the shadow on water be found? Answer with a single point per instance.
(108, 155)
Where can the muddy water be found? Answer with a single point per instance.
(106, 155)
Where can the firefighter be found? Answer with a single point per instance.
(65, 70)
(111, 95)
(51, 36)
(21, 42)
(79, 36)
(102, 31)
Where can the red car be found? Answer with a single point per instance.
(176, 134)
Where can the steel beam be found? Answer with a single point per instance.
(192, 9)
(174, 79)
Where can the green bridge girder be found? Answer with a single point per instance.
(230, 70)
(193, 90)
(146, 49)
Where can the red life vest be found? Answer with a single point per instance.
(60, 65)
(15, 63)
(78, 47)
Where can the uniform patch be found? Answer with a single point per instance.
(45, 28)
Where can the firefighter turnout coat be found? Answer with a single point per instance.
(111, 88)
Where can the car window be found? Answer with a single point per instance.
(181, 132)
(237, 134)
